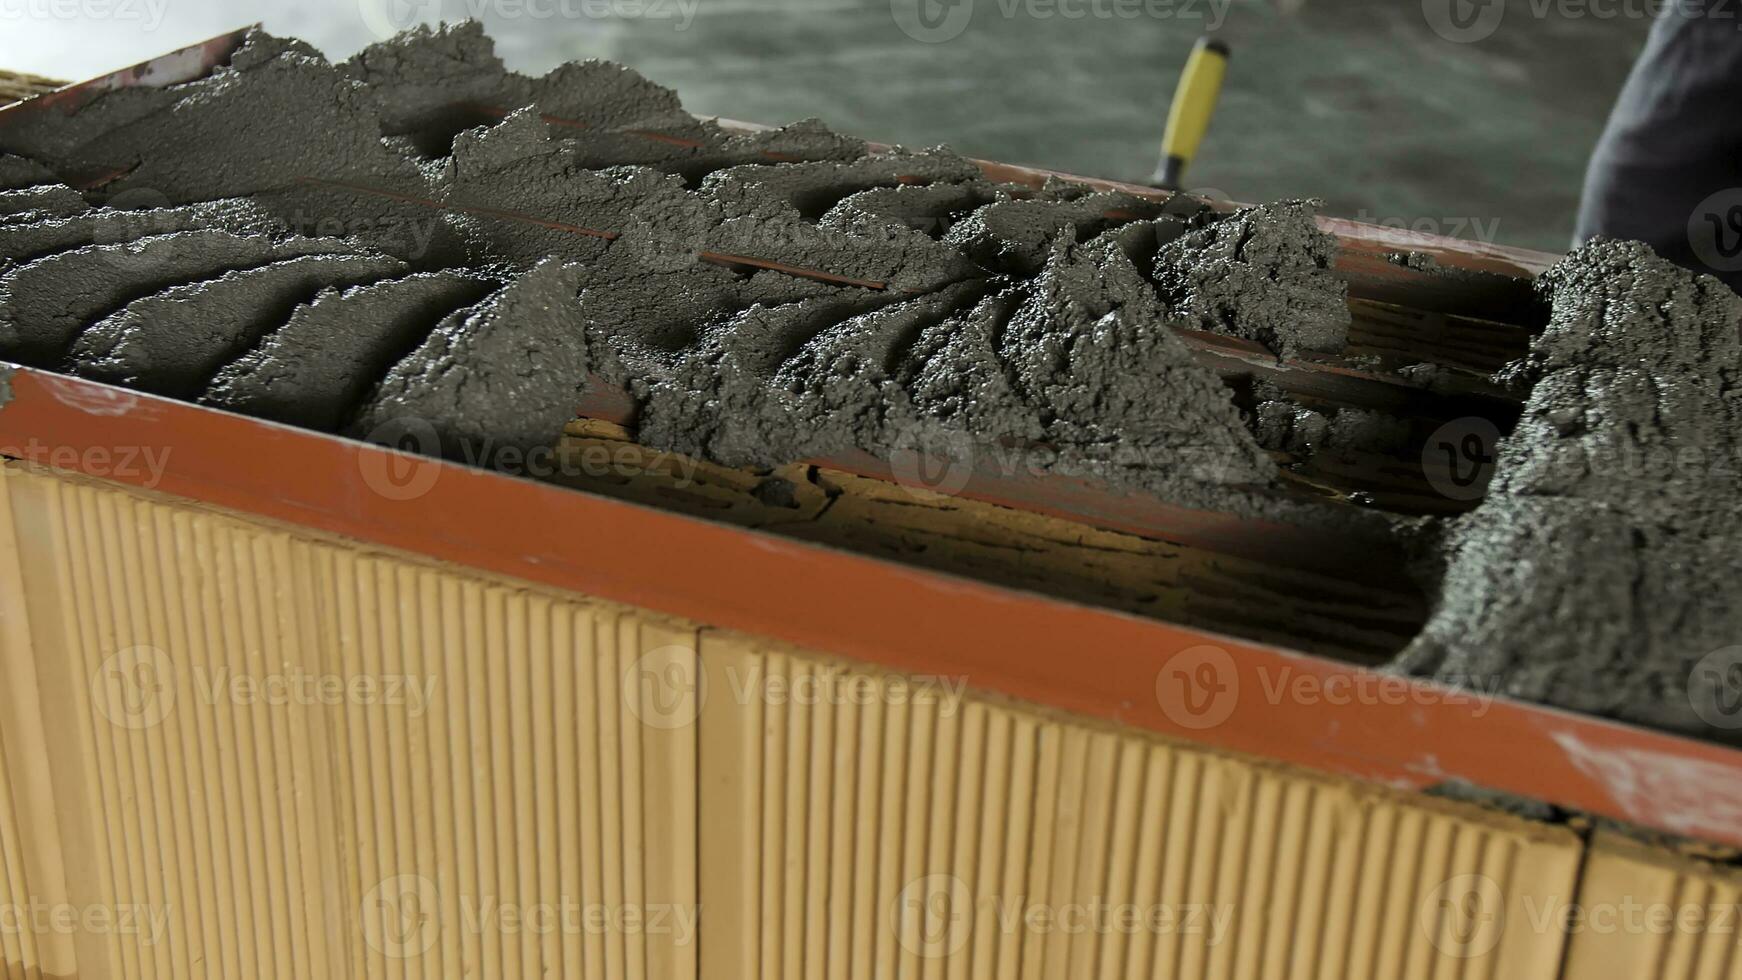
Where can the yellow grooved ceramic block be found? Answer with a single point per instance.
(278, 754)
(1028, 844)
(1646, 914)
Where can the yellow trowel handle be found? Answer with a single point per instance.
(1194, 102)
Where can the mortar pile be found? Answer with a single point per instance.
(419, 238)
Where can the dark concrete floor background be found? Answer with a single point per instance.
(1359, 102)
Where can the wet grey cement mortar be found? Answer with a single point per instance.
(240, 265)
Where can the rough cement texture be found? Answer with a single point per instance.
(315, 369)
(847, 376)
(1370, 431)
(1262, 274)
(516, 167)
(44, 304)
(264, 127)
(421, 76)
(44, 201)
(173, 342)
(1606, 560)
(812, 188)
(26, 242)
(434, 83)
(495, 381)
(18, 173)
(1284, 427)
(931, 310)
(1075, 371)
(1121, 395)
(807, 139)
(1016, 237)
(930, 208)
(1017, 321)
(48, 137)
(742, 211)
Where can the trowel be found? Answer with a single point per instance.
(1194, 104)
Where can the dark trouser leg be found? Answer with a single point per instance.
(1668, 170)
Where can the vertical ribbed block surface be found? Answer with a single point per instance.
(905, 830)
(283, 757)
(1647, 915)
(237, 750)
(19, 958)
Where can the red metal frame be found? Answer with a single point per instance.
(1264, 701)
(181, 65)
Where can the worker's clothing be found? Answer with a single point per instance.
(1668, 170)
